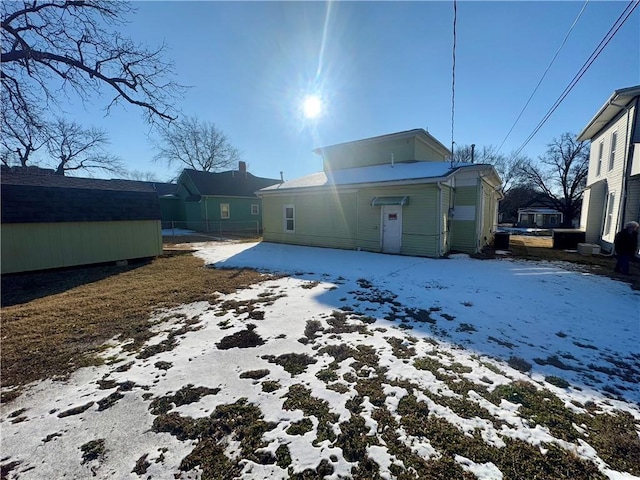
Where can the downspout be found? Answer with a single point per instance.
(440, 221)
(626, 166)
(206, 214)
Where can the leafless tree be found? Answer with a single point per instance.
(53, 48)
(19, 139)
(141, 176)
(507, 166)
(561, 174)
(76, 148)
(196, 144)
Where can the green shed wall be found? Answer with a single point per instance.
(40, 246)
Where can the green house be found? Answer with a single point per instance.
(394, 193)
(223, 203)
(51, 221)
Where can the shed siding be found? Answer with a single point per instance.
(463, 232)
(40, 246)
(446, 221)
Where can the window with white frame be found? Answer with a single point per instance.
(609, 220)
(255, 209)
(224, 210)
(600, 153)
(612, 154)
(289, 218)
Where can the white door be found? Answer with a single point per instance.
(391, 228)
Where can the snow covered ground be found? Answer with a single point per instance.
(343, 342)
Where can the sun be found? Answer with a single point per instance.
(312, 106)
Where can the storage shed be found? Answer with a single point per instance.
(51, 221)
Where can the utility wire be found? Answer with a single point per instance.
(543, 75)
(453, 77)
(603, 43)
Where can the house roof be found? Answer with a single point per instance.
(232, 183)
(421, 133)
(414, 172)
(618, 100)
(37, 198)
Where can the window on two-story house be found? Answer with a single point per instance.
(600, 153)
(609, 220)
(612, 154)
(255, 209)
(224, 210)
(289, 218)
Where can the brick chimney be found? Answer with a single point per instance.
(242, 167)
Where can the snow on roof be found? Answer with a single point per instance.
(427, 171)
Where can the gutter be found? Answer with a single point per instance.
(626, 167)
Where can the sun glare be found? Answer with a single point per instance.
(312, 106)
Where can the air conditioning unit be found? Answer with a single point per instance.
(588, 249)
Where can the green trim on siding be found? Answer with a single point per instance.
(40, 246)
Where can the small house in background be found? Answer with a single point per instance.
(51, 221)
(539, 213)
(221, 203)
(612, 196)
(393, 193)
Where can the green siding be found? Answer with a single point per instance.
(40, 246)
(446, 221)
(361, 155)
(463, 232)
(347, 220)
(324, 220)
(172, 209)
(204, 216)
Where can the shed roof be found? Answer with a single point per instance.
(232, 183)
(29, 198)
(618, 100)
(426, 172)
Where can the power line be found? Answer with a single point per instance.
(543, 75)
(453, 76)
(603, 43)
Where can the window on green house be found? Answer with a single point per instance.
(255, 209)
(289, 218)
(224, 210)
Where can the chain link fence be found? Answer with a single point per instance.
(227, 228)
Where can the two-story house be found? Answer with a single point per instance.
(612, 195)
(395, 193)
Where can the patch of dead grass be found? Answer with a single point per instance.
(51, 333)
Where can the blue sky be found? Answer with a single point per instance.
(380, 67)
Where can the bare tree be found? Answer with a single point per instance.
(561, 174)
(20, 139)
(55, 47)
(140, 176)
(196, 144)
(76, 148)
(507, 166)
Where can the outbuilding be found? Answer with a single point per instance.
(52, 221)
(393, 193)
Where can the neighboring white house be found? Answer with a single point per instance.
(612, 195)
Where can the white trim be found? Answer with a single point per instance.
(286, 219)
(222, 217)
